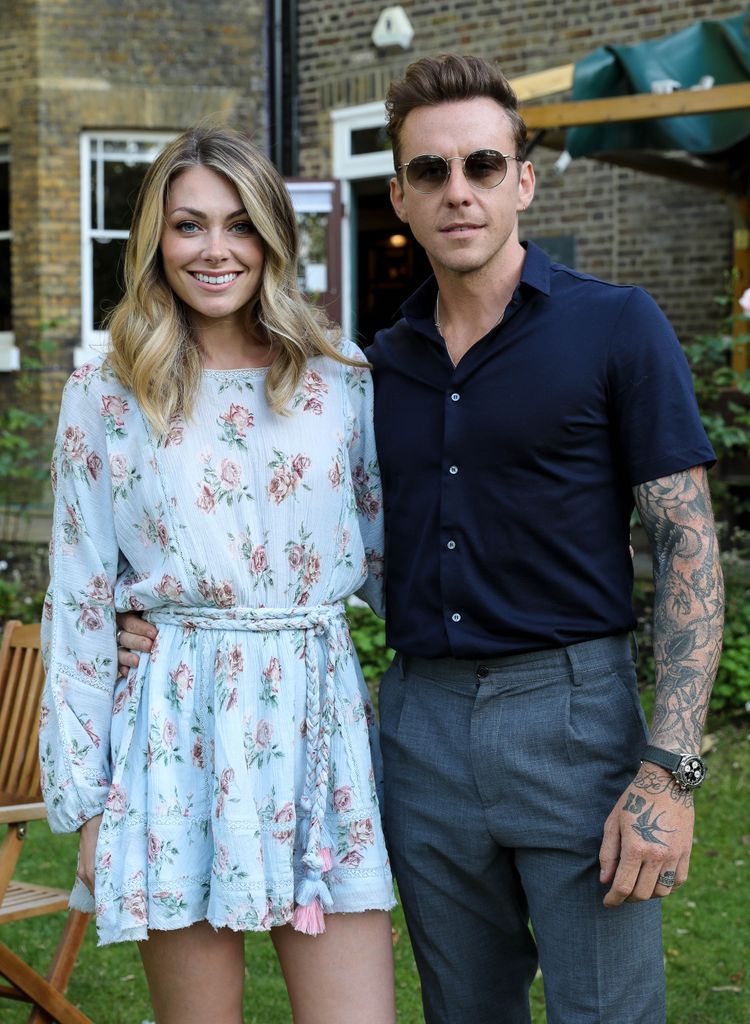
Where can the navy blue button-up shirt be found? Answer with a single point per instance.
(508, 478)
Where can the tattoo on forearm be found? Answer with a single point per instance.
(643, 825)
(654, 782)
(688, 603)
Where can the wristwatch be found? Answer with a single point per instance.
(689, 770)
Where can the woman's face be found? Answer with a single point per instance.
(211, 252)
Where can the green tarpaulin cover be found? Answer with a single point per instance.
(719, 49)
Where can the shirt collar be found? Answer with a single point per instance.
(419, 308)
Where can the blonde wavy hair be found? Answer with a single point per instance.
(154, 352)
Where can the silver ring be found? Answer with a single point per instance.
(117, 635)
(666, 878)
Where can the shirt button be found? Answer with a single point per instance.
(456, 617)
(483, 672)
(453, 470)
(455, 397)
(451, 545)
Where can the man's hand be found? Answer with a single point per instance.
(89, 833)
(133, 634)
(647, 839)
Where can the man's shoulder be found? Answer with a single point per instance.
(600, 297)
(568, 277)
(389, 340)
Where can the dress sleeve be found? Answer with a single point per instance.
(368, 491)
(78, 627)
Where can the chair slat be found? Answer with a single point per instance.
(23, 900)
(29, 760)
(10, 712)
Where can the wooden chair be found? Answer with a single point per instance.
(21, 681)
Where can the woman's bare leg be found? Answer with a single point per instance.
(343, 975)
(195, 975)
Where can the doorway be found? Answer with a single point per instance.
(388, 265)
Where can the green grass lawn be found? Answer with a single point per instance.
(706, 927)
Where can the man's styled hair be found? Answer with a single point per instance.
(449, 78)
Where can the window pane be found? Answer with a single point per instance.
(141, 148)
(94, 219)
(121, 184)
(559, 248)
(6, 320)
(313, 253)
(108, 280)
(369, 140)
(4, 196)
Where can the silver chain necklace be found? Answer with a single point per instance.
(437, 319)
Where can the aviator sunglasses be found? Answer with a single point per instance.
(484, 168)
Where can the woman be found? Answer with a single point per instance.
(217, 470)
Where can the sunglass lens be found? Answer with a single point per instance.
(485, 168)
(427, 173)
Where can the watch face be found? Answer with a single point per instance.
(691, 772)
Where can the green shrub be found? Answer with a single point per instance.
(732, 687)
(719, 388)
(24, 442)
(368, 634)
(17, 601)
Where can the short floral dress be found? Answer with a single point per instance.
(236, 767)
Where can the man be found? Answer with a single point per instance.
(521, 409)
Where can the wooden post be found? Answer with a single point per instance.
(740, 209)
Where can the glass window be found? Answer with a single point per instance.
(313, 254)
(369, 140)
(317, 205)
(559, 248)
(112, 169)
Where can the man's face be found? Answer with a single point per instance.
(462, 228)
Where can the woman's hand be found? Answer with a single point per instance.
(89, 833)
(133, 634)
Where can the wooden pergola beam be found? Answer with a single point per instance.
(642, 107)
(543, 83)
(639, 107)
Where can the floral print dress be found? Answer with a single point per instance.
(236, 766)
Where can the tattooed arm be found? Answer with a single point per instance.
(650, 831)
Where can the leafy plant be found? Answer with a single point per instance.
(718, 386)
(24, 446)
(368, 635)
(21, 589)
(732, 687)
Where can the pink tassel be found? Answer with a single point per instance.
(309, 919)
(326, 854)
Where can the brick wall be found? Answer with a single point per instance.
(75, 65)
(675, 240)
(68, 66)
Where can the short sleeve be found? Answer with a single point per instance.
(368, 491)
(651, 390)
(78, 628)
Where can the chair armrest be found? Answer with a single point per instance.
(12, 812)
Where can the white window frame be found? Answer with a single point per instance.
(316, 197)
(10, 356)
(93, 342)
(349, 167)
